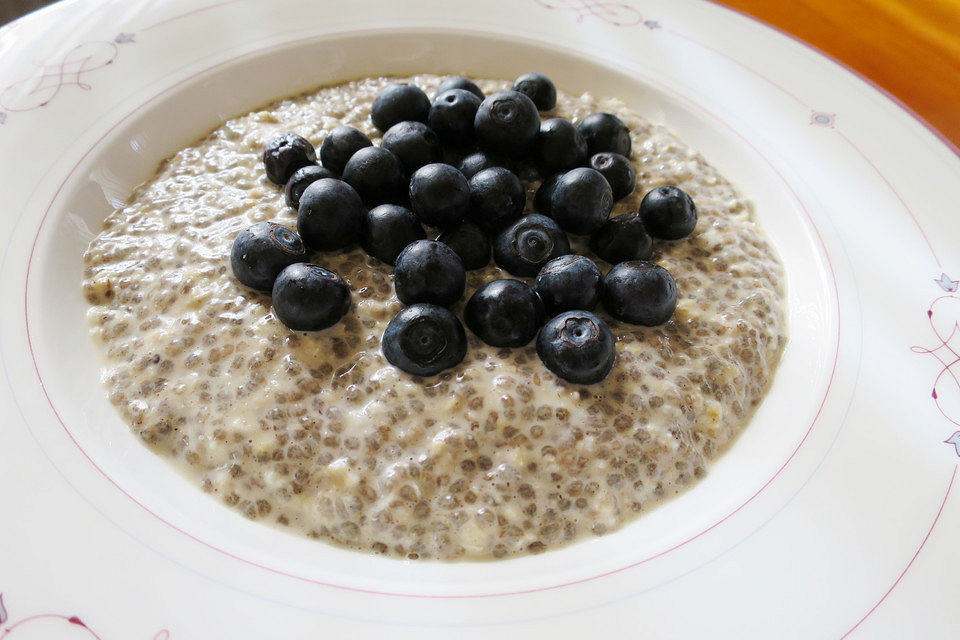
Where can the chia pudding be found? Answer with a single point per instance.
(319, 434)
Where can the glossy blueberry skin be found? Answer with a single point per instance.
(578, 347)
(668, 213)
(480, 160)
(528, 244)
(470, 243)
(543, 198)
(330, 215)
(451, 116)
(387, 230)
(617, 170)
(621, 239)
(414, 143)
(429, 271)
(538, 88)
(260, 252)
(424, 339)
(307, 297)
(640, 292)
(399, 102)
(340, 145)
(459, 82)
(439, 195)
(497, 198)
(560, 147)
(504, 313)
(507, 122)
(376, 175)
(300, 180)
(286, 153)
(582, 201)
(569, 282)
(605, 132)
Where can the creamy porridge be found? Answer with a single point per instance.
(317, 433)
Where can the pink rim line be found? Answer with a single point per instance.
(912, 560)
(188, 13)
(634, 72)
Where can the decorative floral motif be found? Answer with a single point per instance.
(651, 24)
(124, 38)
(946, 283)
(955, 441)
(823, 119)
(615, 13)
(944, 317)
(45, 623)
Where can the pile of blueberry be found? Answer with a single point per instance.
(383, 196)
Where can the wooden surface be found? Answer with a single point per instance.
(911, 48)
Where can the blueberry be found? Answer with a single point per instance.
(459, 82)
(307, 297)
(424, 339)
(605, 132)
(330, 216)
(528, 244)
(578, 347)
(640, 292)
(387, 230)
(668, 213)
(286, 153)
(439, 195)
(399, 102)
(470, 243)
(569, 282)
(538, 88)
(504, 313)
(560, 147)
(300, 180)
(497, 198)
(451, 116)
(340, 145)
(617, 170)
(543, 198)
(377, 176)
(582, 201)
(480, 160)
(507, 122)
(262, 251)
(622, 238)
(414, 143)
(429, 271)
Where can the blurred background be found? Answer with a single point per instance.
(911, 48)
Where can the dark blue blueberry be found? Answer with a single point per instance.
(578, 347)
(569, 282)
(480, 160)
(640, 292)
(330, 216)
(340, 145)
(424, 339)
(497, 198)
(399, 102)
(504, 313)
(459, 82)
(387, 230)
(300, 180)
(622, 238)
(582, 201)
(439, 195)
(617, 170)
(605, 132)
(543, 198)
(538, 88)
(470, 243)
(451, 116)
(307, 297)
(560, 147)
(668, 213)
(262, 251)
(429, 271)
(376, 175)
(286, 153)
(414, 143)
(507, 122)
(528, 244)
